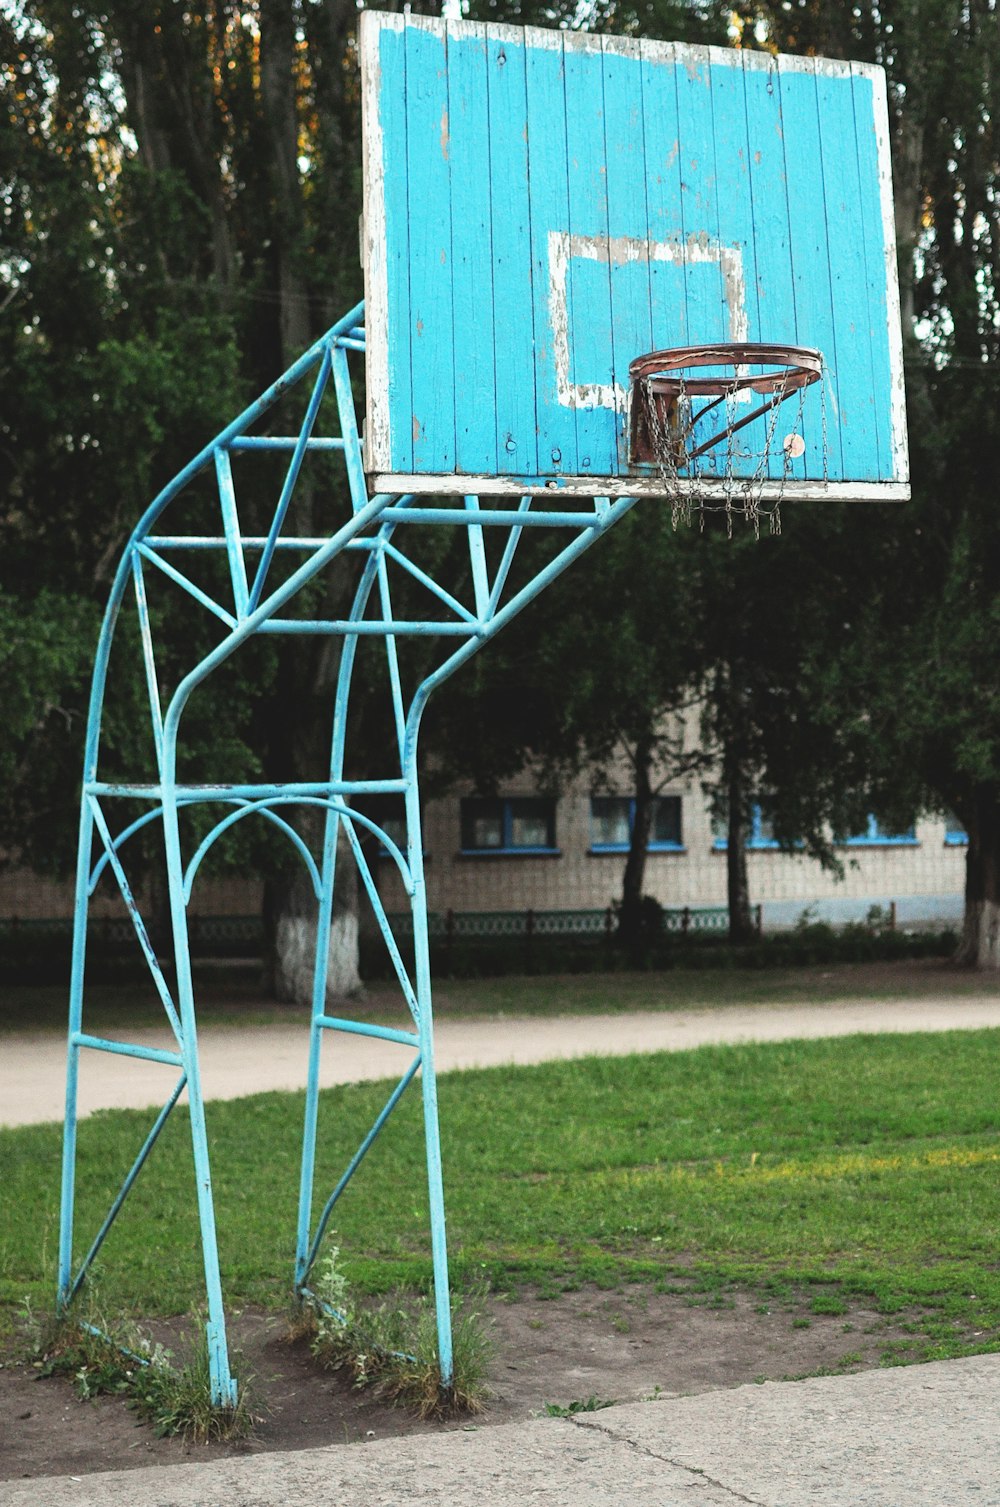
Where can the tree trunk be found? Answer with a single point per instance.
(630, 922)
(290, 924)
(741, 927)
(299, 727)
(980, 945)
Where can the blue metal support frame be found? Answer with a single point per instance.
(369, 535)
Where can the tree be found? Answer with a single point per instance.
(917, 682)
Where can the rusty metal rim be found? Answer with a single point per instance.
(799, 366)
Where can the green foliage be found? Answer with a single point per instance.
(591, 1404)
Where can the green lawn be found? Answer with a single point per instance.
(866, 1166)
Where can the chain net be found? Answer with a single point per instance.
(738, 460)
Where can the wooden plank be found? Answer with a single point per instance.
(810, 259)
(854, 387)
(771, 258)
(516, 441)
(670, 324)
(706, 305)
(628, 223)
(431, 322)
(590, 368)
(471, 249)
(549, 209)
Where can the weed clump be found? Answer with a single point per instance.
(113, 1357)
(391, 1347)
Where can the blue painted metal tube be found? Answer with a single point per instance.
(127, 1049)
(371, 629)
(507, 559)
(163, 498)
(365, 1028)
(351, 345)
(223, 1388)
(383, 921)
(291, 477)
(248, 541)
(190, 794)
(477, 562)
(182, 581)
(392, 658)
(493, 518)
(264, 808)
(67, 1195)
(138, 925)
(148, 659)
(324, 920)
(231, 524)
(252, 623)
(126, 1187)
(305, 1263)
(349, 424)
(284, 442)
(250, 808)
(584, 540)
(428, 1079)
(432, 585)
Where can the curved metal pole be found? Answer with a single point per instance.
(324, 920)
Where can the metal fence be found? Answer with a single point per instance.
(475, 925)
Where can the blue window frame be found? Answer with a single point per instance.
(508, 825)
(613, 816)
(760, 836)
(955, 835)
(877, 836)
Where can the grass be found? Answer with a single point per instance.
(235, 999)
(864, 1168)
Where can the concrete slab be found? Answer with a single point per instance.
(891, 1438)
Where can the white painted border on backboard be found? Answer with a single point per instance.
(897, 390)
(555, 487)
(377, 437)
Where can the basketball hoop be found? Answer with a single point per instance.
(687, 426)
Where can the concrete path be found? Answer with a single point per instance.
(238, 1060)
(924, 1436)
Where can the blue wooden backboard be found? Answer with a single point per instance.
(543, 206)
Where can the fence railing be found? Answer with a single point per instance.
(472, 925)
(235, 936)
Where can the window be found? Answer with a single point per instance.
(612, 817)
(955, 835)
(760, 835)
(875, 835)
(509, 824)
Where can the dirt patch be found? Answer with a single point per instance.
(620, 1346)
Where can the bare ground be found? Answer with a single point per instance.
(621, 1346)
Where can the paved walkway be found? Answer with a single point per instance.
(238, 1060)
(923, 1436)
